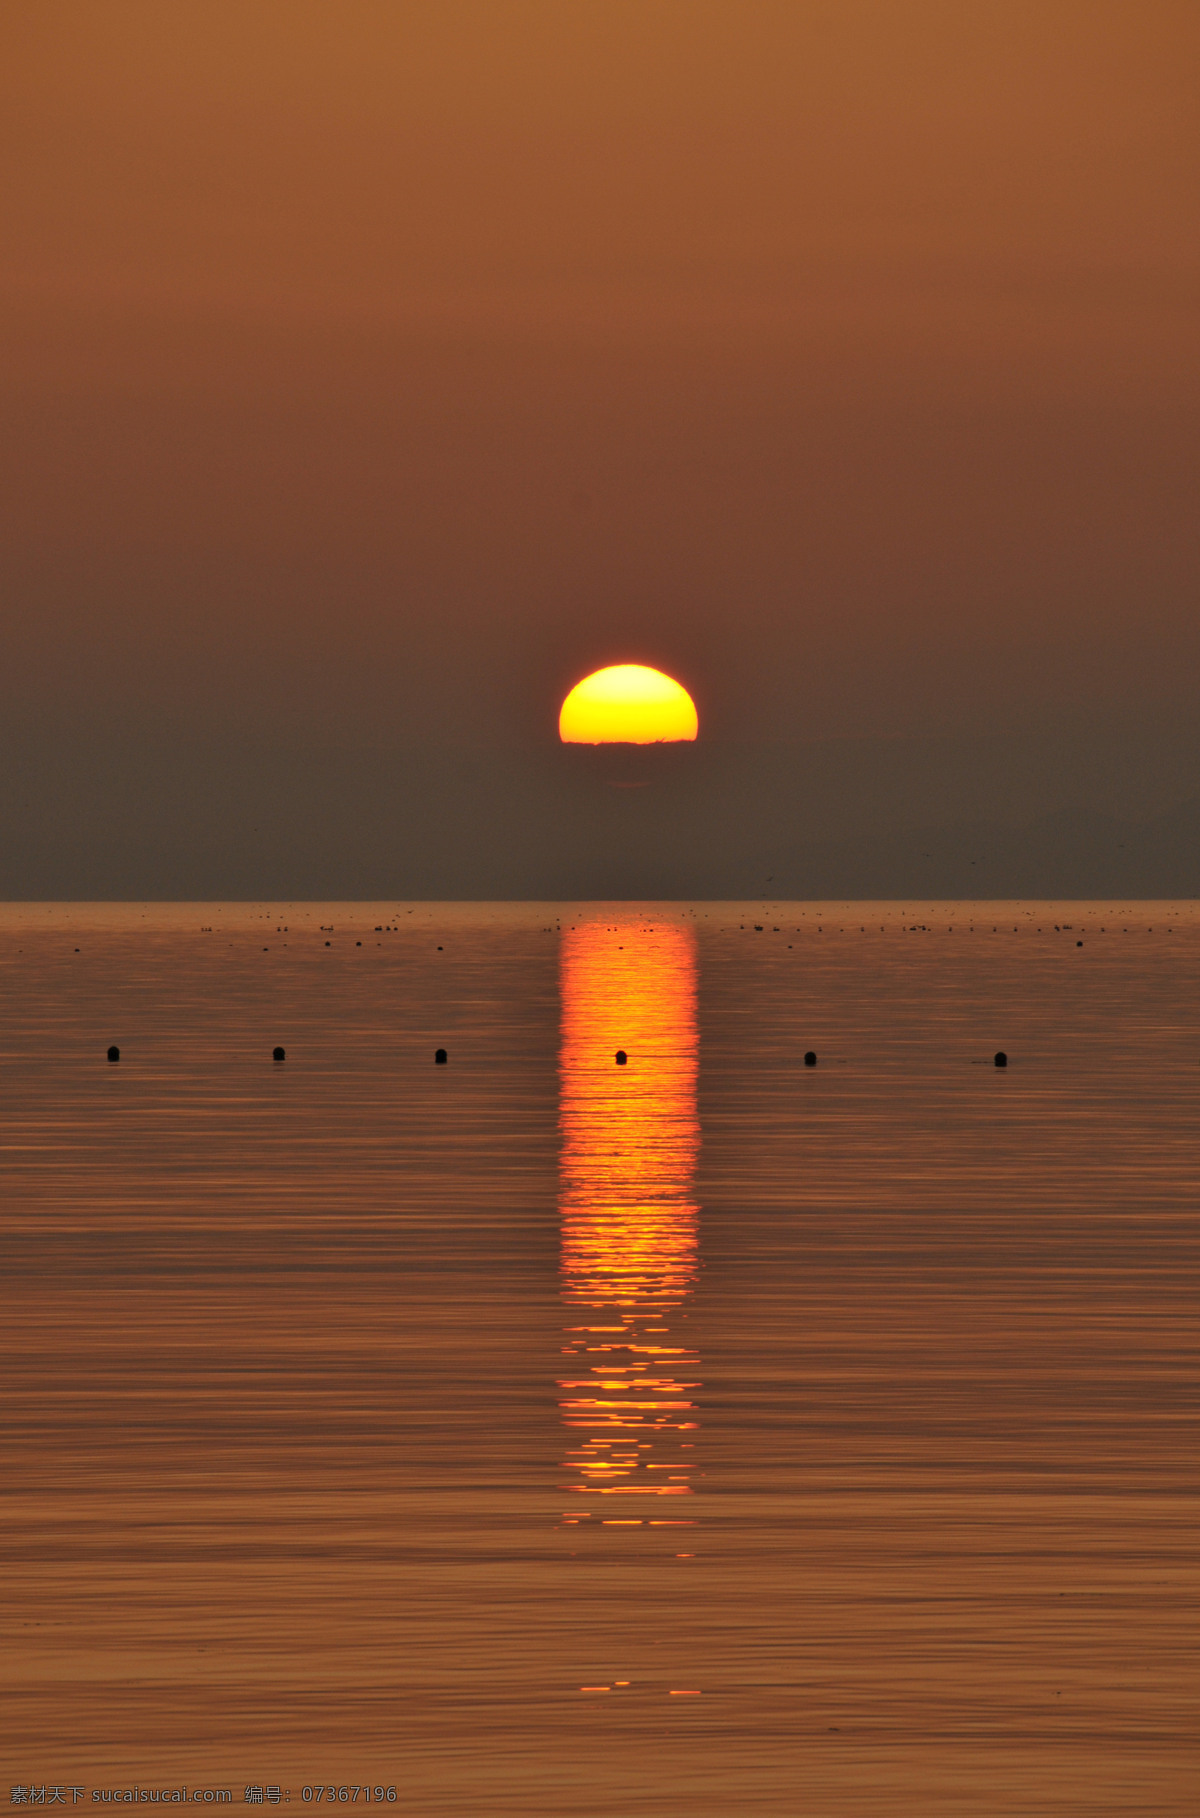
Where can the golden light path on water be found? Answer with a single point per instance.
(630, 1240)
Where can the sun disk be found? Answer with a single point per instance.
(627, 704)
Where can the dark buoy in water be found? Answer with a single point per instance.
(810, 1059)
(439, 1059)
(621, 1057)
(278, 1054)
(1001, 1058)
(114, 1053)
(1079, 943)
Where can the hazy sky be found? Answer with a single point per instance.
(373, 371)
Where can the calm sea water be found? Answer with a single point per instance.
(535, 1435)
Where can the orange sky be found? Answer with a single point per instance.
(388, 366)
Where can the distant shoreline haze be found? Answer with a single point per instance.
(141, 817)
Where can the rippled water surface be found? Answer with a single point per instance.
(537, 1435)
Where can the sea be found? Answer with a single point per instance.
(793, 1418)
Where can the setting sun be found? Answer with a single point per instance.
(627, 704)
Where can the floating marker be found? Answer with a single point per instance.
(439, 1058)
(1001, 1058)
(810, 1059)
(278, 1054)
(621, 1057)
(114, 1053)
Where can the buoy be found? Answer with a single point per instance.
(440, 1058)
(1001, 1058)
(114, 1053)
(810, 1059)
(1079, 943)
(278, 1054)
(621, 1057)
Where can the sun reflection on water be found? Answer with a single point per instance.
(630, 1239)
